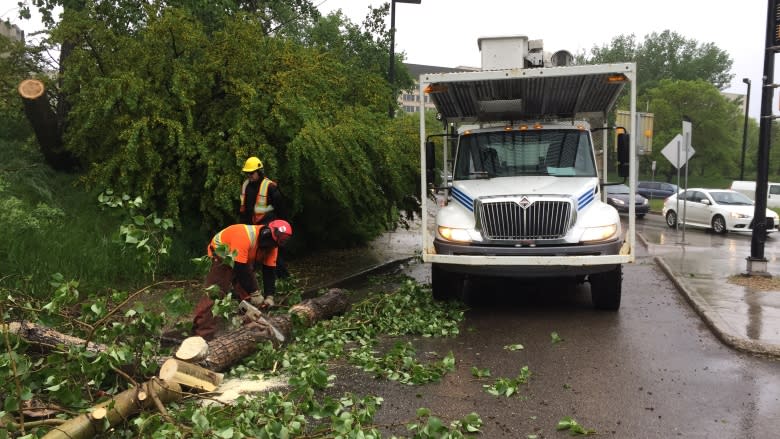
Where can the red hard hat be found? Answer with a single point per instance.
(281, 230)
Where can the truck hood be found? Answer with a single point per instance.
(583, 189)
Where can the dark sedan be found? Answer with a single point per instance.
(617, 197)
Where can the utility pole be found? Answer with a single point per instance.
(756, 262)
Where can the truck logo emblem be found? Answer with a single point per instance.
(524, 202)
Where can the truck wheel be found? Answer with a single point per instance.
(719, 224)
(606, 289)
(445, 285)
(671, 219)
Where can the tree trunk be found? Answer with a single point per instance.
(227, 349)
(47, 125)
(47, 338)
(116, 410)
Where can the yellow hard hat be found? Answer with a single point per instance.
(252, 164)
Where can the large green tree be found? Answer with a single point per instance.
(666, 55)
(716, 122)
(169, 108)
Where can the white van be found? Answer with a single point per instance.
(749, 188)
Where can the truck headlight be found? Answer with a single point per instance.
(450, 234)
(601, 233)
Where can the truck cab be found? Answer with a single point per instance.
(526, 196)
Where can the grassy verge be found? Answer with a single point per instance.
(49, 224)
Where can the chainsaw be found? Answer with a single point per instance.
(252, 313)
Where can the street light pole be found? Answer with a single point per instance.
(745, 130)
(391, 68)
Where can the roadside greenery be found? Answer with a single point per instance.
(74, 378)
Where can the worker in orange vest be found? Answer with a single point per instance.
(248, 245)
(261, 202)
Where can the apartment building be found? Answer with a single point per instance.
(11, 31)
(409, 100)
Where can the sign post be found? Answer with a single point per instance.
(678, 152)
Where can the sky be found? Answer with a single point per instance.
(445, 32)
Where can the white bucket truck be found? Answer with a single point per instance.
(525, 198)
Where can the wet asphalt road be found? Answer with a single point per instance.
(651, 370)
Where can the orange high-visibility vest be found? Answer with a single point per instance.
(262, 206)
(243, 239)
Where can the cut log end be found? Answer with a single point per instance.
(31, 89)
(193, 349)
(190, 375)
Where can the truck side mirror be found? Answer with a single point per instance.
(430, 162)
(623, 154)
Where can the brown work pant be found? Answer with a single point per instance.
(205, 323)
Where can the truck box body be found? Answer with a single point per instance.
(526, 198)
(749, 188)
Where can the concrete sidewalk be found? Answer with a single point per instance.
(704, 271)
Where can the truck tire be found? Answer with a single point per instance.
(606, 289)
(445, 285)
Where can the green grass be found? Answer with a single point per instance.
(49, 225)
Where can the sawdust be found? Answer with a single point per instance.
(757, 283)
(231, 389)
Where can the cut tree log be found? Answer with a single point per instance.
(190, 375)
(229, 348)
(116, 410)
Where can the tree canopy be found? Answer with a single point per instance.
(716, 122)
(666, 55)
(167, 101)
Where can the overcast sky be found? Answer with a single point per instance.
(445, 32)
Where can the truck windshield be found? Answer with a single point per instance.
(563, 153)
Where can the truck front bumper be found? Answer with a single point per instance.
(536, 267)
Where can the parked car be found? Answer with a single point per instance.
(656, 189)
(721, 210)
(617, 197)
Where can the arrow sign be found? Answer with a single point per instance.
(675, 147)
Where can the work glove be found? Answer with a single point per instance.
(257, 300)
(269, 301)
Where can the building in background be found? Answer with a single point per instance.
(409, 100)
(11, 31)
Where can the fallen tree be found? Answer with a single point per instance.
(222, 352)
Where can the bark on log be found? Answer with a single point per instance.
(229, 348)
(116, 410)
(47, 337)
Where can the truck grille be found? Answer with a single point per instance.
(507, 220)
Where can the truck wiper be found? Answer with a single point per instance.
(480, 175)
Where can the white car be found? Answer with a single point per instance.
(721, 210)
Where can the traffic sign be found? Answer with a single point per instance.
(675, 152)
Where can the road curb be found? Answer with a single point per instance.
(355, 276)
(714, 321)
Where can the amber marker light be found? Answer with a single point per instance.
(467, 133)
(508, 128)
(435, 88)
(617, 78)
(523, 128)
(537, 126)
